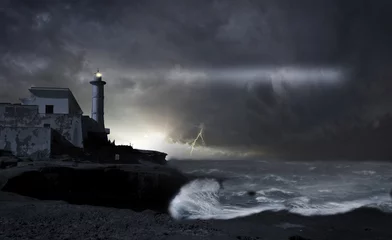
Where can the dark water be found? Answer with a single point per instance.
(317, 188)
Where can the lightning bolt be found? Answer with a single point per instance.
(199, 136)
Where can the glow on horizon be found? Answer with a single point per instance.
(158, 141)
(239, 76)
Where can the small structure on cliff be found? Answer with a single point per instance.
(50, 122)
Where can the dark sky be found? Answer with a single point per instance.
(176, 64)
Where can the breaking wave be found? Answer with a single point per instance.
(200, 199)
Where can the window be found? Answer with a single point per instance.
(9, 110)
(49, 109)
(46, 125)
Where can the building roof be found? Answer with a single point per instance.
(52, 92)
(48, 92)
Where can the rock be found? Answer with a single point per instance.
(296, 237)
(251, 193)
(5, 153)
(8, 161)
(135, 187)
(247, 238)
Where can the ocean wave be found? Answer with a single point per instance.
(342, 166)
(239, 194)
(325, 190)
(332, 208)
(276, 178)
(263, 199)
(271, 195)
(365, 172)
(214, 172)
(275, 190)
(208, 171)
(199, 199)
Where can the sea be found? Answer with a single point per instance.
(226, 189)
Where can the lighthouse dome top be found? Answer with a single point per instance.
(98, 79)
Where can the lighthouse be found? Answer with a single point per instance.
(97, 101)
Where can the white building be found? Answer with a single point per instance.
(48, 119)
(53, 100)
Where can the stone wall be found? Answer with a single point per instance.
(93, 133)
(70, 126)
(30, 142)
(12, 115)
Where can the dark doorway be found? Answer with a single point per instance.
(49, 109)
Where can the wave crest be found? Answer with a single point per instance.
(199, 199)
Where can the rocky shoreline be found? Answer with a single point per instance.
(134, 186)
(24, 218)
(131, 203)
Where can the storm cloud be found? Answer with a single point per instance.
(174, 65)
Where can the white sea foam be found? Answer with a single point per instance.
(365, 172)
(276, 178)
(274, 190)
(325, 190)
(263, 199)
(199, 199)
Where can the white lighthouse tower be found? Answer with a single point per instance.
(97, 101)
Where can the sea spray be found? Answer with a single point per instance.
(199, 199)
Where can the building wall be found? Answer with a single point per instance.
(93, 131)
(74, 107)
(90, 125)
(18, 115)
(60, 105)
(30, 142)
(70, 126)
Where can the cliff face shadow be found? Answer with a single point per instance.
(109, 186)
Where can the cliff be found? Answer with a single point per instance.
(136, 186)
